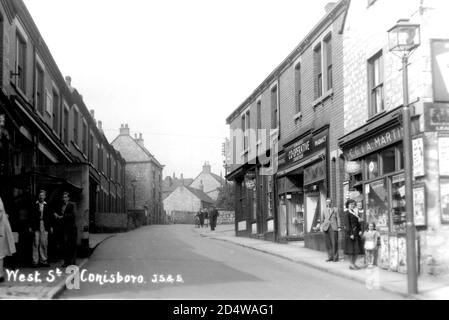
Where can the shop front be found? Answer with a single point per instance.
(374, 165)
(302, 188)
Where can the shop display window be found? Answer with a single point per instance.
(296, 214)
(398, 213)
(269, 196)
(400, 152)
(388, 157)
(377, 203)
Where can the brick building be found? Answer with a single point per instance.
(48, 137)
(284, 151)
(143, 175)
(373, 142)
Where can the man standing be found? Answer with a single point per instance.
(40, 225)
(330, 225)
(67, 215)
(213, 218)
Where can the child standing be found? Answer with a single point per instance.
(371, 237)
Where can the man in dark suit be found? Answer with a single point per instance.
(330, 225)
(67, 214)
(213, 218)
(40, 225)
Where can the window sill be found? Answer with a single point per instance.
(258, 143)
(320, 100)
(244, 152)
(298, 116)
(376, 116)
(274, 132)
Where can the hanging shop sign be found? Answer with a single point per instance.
(436, 117)
(353, 167)
(377, 142)
(315, 173)
(305, 147)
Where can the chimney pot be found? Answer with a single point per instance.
(100, 125)
(68, 80)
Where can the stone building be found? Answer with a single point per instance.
(208, 182)
(184, 202)
(283, 144)
(143, 175)
(169, 184)
(48, 137)
(373, 142)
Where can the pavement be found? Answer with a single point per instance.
(43, 283)
(430, 288)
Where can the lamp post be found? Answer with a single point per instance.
(403, 38)
(134, 184)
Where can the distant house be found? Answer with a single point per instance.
(143, 175)
(185, 202)
(208, 182)
(171, 183)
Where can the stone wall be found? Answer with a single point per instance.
(111, 222)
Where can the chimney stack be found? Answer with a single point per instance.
(124, 130)
(139, 139)
(100, 126)
(206, 167)
(92, 113)
(68, 81)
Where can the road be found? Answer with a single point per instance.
(209, 269)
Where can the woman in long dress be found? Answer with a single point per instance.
(353, 241)
(7, 246)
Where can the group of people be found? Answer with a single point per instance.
(42, 221)
(360, 237)
(205, 217)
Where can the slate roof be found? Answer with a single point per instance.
(201, 195)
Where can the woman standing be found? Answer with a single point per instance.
(353, 241)
(7, 246)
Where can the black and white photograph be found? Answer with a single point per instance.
(199, 151)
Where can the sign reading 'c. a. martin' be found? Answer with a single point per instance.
(377, 142)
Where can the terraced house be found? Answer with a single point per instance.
(48, 137)
(285, 159)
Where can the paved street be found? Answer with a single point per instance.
(210, 269)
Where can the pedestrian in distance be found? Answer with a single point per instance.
(67, 214)
(372, 243)
(213, 216)
(41, 222)
(201, 216)
(7, 245)
(331, 225)
(353, 240)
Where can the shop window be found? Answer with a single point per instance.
(318, 72)
(21, 47)
(40, 89)
(377, 203)
(372, 166)
(388, 157)
(398, 214)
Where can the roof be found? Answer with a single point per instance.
(200, 195)
(144, 150)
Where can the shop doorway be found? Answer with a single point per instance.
(312, 207)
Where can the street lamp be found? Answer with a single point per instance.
(134, 184)
(403, 38)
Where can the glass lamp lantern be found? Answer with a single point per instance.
(404, 36)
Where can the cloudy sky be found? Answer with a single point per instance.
(173, 69)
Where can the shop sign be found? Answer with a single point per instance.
(315, 173)
(377, 142)
(418, 157)
(436, 117)
(305, 147)
(443, 155)
(440, 69)
(419, 206)
(353, 167)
